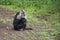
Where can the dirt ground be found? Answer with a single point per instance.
(7, 32)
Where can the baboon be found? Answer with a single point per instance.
(19, 21)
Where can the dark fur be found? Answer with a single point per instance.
(19, 23)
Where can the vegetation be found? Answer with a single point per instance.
(45, 11)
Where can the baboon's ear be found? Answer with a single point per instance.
(23, 10)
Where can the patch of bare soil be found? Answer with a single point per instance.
(5, 13)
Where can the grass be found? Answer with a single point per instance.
(11, 7)
(52, 24)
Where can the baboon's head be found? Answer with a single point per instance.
(22, 14)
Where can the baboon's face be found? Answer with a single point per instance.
(22, 13)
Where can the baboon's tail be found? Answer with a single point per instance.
(28, 28)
